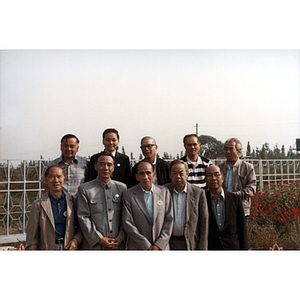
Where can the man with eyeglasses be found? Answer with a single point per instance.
(227, 224)
(161, 167)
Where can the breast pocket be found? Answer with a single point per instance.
(117, 203)
(96, 206)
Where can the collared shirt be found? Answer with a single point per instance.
(154, 167)
(228, 179)
(59, 210)
(197, 170)
(218, 207)
(75, 172)
(179, 200)
(148, 196)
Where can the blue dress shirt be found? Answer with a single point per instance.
(179, 200)
(59, 210)
(148, 195)
(228, 179)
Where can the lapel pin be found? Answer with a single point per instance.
(118, 164)
(117, 195)
(159, 202)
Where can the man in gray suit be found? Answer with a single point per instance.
(100, 208)
(147, 212)
(190, 229)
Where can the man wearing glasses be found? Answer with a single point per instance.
(227, 224)
(161, 167)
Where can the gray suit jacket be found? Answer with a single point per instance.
(100, 212)
(142, 234)
(196, 217)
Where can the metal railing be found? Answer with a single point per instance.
(20, 186)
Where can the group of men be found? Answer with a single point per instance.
(102, 204)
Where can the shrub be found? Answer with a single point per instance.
(275, 217)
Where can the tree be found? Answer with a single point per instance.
(248, 153)
(210, 146)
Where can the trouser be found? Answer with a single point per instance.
(177, 243)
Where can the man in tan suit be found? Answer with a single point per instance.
(190, 229)
(147, 212)
(52, 220)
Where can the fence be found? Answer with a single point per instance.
(20, 186)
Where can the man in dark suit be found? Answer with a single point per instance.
(190, 227)
(227, 224)
(161, 167)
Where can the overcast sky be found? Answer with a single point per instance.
(252, 95)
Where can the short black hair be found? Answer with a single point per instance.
(110, 130)
(191, 135)
(69, 136)
(48, 169)
(103, 153)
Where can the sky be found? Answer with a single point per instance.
(249, 94)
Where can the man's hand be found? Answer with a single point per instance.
(73, 245)
(110, 244)
(154, 247)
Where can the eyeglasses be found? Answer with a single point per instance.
(213, 175)
(147, 146)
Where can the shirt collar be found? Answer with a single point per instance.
(102, 184)
(151, 190)
(75, 159)
(183, 191)
(53, 198)
(222, 195)
(199, 160)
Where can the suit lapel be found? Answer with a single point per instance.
(48, 209)
(157, 204)
(140, 200)
(188, 203)
(69, 210)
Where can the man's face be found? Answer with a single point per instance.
(178, 174)
(214, 178)
(149, 148)
(110, 142)
(230, 152)
(55, 179)
(104, 167)
(145, 175)
(69, 147)
(192, 146)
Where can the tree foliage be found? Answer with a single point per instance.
(210, 146)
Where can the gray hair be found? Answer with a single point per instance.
(179, 161)
(238, 144)
(146, 138)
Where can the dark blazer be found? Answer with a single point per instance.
(122, 171)
(196, 217)
(234, 234)
(162, 172)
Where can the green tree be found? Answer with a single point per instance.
(210, 146)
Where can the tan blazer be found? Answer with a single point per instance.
(244, 181)
(40, 233)
(196, 217)
(141, 233)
